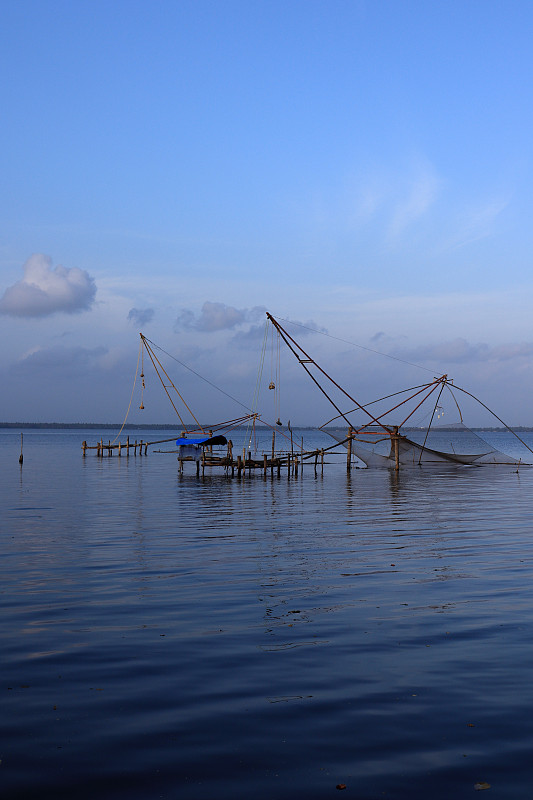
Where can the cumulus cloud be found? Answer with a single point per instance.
(140, 316)
(46, 290)
(460, 351)
(217, 317)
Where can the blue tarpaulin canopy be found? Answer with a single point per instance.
(202, 440)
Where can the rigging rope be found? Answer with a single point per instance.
(360, 346)
(131, 397)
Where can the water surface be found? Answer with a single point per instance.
(169, 636)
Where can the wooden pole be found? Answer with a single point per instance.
(119, 449)
(295, 466)
(21, 457)
(396, 443)
(109, 449)
(230, 457)
(279, 467)
(128, 446)
(349, 449)
(322, 462)
(197, 469)
(84, 448)
(264, 464)
(273, 451)
(239, 466)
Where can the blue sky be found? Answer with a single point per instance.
(363, 166)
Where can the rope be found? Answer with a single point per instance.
(131, 398)
(360, 346)
(213, 385)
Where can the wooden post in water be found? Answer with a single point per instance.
(230, 457)
(119, 449)
(135, 448)
(84, 448)
(273, 451)
(295, 466)
(316, 459)
(396, 443)
(289, 466)
(210, 446)
(197, 469)
(146, 448)
(203, 462)
(322, 462)
(349, 449)
(21, 457)
(128, 446)
(109, 449)
(239, 466)
(141, 447)
(278, 460)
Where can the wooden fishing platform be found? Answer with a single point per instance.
(289, 462)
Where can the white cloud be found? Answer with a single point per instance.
(477, 223)
(45, 290)
(141, 316)
(459, 351)
(217, 317)
(416, 199)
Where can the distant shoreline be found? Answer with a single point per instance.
(94, 426)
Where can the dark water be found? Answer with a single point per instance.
(175, 637)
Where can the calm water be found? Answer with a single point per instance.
(175, 637)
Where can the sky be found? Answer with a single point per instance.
(363, 169)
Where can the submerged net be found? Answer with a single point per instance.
(454, 444)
